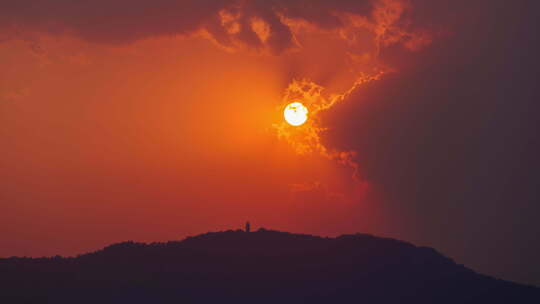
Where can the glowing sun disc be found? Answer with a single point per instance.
(295, 113)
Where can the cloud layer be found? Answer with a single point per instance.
(256, 24)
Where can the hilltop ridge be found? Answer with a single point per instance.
(264, 266)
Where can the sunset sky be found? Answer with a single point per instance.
(155, 120)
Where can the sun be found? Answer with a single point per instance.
(295, 113)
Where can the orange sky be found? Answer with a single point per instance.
(162, 138)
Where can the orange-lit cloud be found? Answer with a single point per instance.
(256, 24)
(306, 139)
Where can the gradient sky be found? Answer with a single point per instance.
(154, 120)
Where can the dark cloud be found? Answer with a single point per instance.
(105, 21)
(323, 13)
(452, 136)
(229, 22)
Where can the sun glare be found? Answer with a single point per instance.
(295, 113)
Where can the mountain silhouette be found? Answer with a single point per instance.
(258, 267)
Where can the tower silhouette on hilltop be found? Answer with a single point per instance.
(248, 226)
